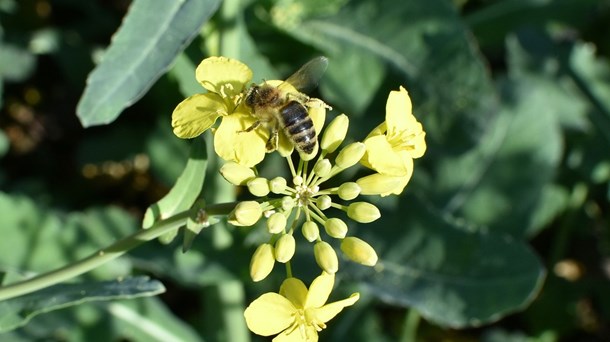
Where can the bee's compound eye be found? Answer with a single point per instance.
(251, 96)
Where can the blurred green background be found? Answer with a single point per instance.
(503, 233)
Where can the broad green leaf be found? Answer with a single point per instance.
(452, 276)
(148, 319)
(151, 36)
(18, 311)
(427, 48)
(184, 193)
(499, 183)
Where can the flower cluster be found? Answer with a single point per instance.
(302, 202)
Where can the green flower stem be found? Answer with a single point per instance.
(230, 21)
(409, 333)
(109, 253)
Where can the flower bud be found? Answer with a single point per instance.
(277, 185)
(334, 134)
(297, 180)
(326, 257)
(322, 167)
(335, 227)
(310, 231)
(378, 184)
(323, 202)
(309, 156)
(316, 109)
(363, 212)
(245, 214)
(287, 203)
(258, 186)
(262, 262)
(284, 248)
(276, 223)
(350, 155)
(359, 251)
(236, 174)
(348, 191)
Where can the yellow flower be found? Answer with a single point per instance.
(296, 314)
(392, 146)
(225, 80)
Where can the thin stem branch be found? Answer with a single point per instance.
(98, 258)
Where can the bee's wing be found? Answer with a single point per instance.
(308, 76)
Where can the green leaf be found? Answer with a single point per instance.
(452, 276)
(500, 182)
(151, 36)
(184, 193)
(18, 311)
(148, 319)
(429, 51)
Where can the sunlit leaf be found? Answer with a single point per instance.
(184, 193)
(151, 36)
(18, 311)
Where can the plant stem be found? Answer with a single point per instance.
(98, 258)
(409, 333)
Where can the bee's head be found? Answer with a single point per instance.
(252, 95)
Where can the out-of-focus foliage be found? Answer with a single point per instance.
(504, 228)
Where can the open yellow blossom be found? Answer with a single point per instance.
(225, 80)
(296, 314)
(392, 146)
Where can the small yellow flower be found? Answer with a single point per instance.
(392, 146)
(296, 314)
(225, 80)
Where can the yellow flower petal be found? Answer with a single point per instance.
(328, 311)
(269, 314)
(319, 290)
(381, 157)
(295, 291)
(196, 114)
(297, 335)
(286, 146)
(318, 116)
(379, 130)
(222, 75)
(232, 144)
(398, 111)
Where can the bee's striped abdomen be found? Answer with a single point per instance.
(298, 126)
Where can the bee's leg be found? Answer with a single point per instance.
(254, 126)
(312, 102)
(273, 141)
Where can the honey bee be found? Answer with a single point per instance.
(282, 108)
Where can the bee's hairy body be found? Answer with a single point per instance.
(285, 108)
(275, 108)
